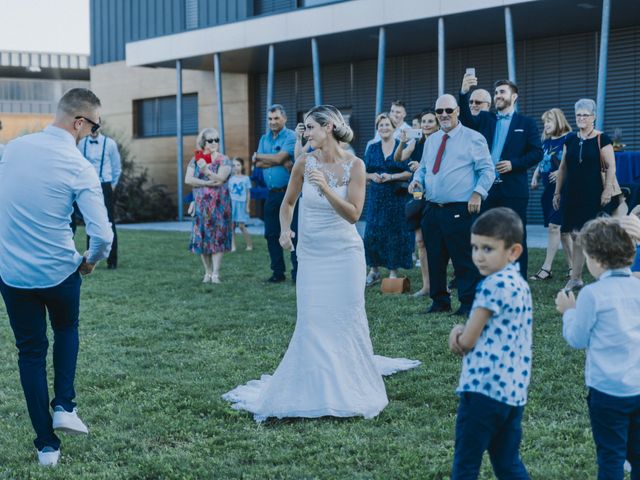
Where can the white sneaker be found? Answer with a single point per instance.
(68, 422)
(48, 456)
(627, 466)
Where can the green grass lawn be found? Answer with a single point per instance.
(158, 348)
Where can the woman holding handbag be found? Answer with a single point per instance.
(586, 184)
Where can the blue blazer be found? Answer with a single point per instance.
(522, 147)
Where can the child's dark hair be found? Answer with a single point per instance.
(241, 163)
(500, 223)
(604, 240)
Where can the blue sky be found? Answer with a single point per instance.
(60, 26)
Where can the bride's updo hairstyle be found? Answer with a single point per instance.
(325, 114)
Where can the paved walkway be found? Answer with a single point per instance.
(536, 234)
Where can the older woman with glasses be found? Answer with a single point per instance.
(580, 190)
(208, 173)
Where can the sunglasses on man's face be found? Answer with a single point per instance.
(94, 126)
(212, 140)
(448, 111)
(476, 102)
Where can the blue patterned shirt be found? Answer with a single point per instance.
(499, 365)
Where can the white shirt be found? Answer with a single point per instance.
(94, 148)
(606, 321)
(41, 175)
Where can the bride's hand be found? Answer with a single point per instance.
(317, 178)
(285, 239)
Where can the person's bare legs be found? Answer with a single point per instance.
(567, 247)
(208, 267)
(247, 237)
(577, 263)
(233, 236)
(424, 266)
(216, 261)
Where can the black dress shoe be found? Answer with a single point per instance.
(112, 267)
(463, 311)
(439, 308)
(275, 279)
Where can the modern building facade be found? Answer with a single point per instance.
(229, 59)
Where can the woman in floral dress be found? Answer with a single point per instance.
(208, 173)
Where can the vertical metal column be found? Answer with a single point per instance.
(317, 85)
(218, 74)
(382, 45)
(441, 55)
(511, 49)
(179, 136)
(602, 64)
(270, 75)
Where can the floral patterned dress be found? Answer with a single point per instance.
(212, 222)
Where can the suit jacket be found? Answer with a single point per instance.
(522, 147)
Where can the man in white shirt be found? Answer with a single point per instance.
(398, 112)
(1, 145)
(41, 175)
(102, 152)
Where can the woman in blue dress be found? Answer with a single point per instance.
(387, 240)
(555, 132)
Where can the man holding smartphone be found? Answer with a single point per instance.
(514, 142)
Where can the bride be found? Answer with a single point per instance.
(329, 367)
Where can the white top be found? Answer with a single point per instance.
(606, 321)
(92, 149)
(499, 365)
(41, 175)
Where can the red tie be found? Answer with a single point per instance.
(436, 166)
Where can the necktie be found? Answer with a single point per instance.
(93, 141)
(507, 116)
(436, 166)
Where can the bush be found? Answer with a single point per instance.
(139, 199)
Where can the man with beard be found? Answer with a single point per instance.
(515, 147)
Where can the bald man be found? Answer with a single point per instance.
(455, 173)
(479, 101)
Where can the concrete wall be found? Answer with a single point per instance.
(118, 86)
(17, 124)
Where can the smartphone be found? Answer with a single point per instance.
(414, 133)
(471, 71)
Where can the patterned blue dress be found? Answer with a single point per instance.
(387, 240)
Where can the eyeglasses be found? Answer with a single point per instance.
(212, 140)
(476, 102)
(94, 126)
(449, 111)
(584, 115)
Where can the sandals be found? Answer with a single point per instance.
(373, 278)
(574, 284)
(543, 274)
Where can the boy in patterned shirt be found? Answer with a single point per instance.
(496, 347)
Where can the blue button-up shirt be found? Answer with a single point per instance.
(277, 176)
(466, 166)
(500, 136)
(41, 175)
(606, 321)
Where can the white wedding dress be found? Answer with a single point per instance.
(329, 367)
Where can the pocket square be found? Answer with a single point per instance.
(518, 130)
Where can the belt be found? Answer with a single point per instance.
(446, 205)
(281, 189)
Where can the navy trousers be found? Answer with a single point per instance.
(27, 310)
(615, 422)
(486, 424)
(447, 235)
(518, 205)
(272, 234)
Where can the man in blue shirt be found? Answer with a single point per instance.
(275, 156)
(41, 175)
(455, 173)
(515, 145)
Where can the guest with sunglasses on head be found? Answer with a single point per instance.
(580, 191)
(208, 173)
(102, 152)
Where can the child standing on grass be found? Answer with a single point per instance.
(606, 321)
(240, 189)
(496, 347)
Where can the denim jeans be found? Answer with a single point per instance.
(486, 424)
(27, 310)
(615, 422)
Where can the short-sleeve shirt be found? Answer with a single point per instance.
(239, 185)
(285, 141)
(499, 365)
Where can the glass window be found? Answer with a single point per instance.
(156, 117)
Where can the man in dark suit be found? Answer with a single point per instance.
(515, 147)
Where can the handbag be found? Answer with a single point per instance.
(395, 285)
(603, 173)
